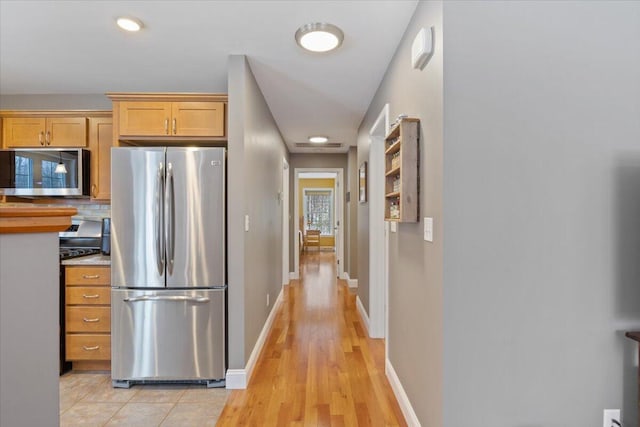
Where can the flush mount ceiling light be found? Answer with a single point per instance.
(318, 139)
(129, 23)
(319, 37)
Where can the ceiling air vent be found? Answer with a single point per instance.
(312, 145)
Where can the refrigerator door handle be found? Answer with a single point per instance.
(160, 244)
(178, 298)
(170, 219)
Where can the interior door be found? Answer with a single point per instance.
(137, 230)
(195, 217)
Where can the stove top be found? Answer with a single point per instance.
(68, 253)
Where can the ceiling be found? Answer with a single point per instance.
(74, 47)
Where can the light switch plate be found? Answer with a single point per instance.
(428, 229)
(246, 223)
(394, 226)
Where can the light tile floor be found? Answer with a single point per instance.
(88, 399)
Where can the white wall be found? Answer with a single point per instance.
(541, 211)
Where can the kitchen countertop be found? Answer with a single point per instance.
(96, 259)
(32, 218)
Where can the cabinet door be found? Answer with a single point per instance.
(66, 132)
(100, 140)
(23, 132)
(197, 119)
(144, 118)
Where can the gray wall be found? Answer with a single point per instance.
(542, 212)
(29, 329)
(415, 266)
(298, 160)
(255, 158)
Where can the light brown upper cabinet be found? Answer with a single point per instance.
(44, 132)
(100, 140)
(167, 117)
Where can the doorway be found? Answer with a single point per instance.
(284, 201)
(378, 230)
(318, 207)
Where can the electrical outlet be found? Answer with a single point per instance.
(609, 416)
(246, 223)
(267, 300)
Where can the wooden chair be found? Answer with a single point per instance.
(312, 238)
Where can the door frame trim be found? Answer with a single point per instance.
(339, 205)
(378, 235)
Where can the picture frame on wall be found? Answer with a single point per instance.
(362, 183)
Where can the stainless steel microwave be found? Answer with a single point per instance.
(44, 172)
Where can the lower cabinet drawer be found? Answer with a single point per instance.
(88, 295)
(88, 319)
(88, 347)
(87, 275)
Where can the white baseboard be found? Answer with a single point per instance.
(239, 378)
(403, 400)
(294, 275)
(236, 379)
(353, 283)
(363, 314)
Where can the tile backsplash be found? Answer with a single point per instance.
(87, 211)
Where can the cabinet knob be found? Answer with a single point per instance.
(166, 126)
(95, 347)
(90, 276)
(174, 126)
(94, 320)
(41, 138)
(94, 191)
(48, 138)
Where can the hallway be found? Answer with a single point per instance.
(318, 367)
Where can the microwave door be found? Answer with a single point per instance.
(44, 172)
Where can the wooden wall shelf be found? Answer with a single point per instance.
(402, 171)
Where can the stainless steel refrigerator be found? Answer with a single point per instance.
(167, 265)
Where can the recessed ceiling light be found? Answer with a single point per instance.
(129, 24)
(319, 37)
(318, 139)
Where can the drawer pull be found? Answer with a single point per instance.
(94, 348)
(90, 296)
(90, 276)
(97, 319)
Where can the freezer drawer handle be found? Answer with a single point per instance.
(90, 276)
(94, 320)
(94, 348)
(168, 298)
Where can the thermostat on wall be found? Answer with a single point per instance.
(422, 48)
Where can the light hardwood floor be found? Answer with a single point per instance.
(318, 367)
